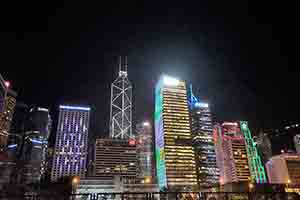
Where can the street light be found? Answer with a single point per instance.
(251, 186)
(75, 181)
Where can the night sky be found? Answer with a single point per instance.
(239, 56)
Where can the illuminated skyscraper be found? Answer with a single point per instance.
(70, 151)
(144, 146)
(7, 105)
(202, 134)
(176, 168)
(121, 105)
(231, 153)
(257, 169)
(38, 128)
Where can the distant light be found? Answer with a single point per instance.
(229, 124)
(251, 185)
(289, 181)
(147, 180)
(244, 126)
(37, 141)
(170, 81)
(287, 127)
(12, 146)
(131, 142)
(75, 180)
(131, 164)
(75, 108)
(282, 151)
(43, 109)
(146, 124)
(7, 84)
(201, 105)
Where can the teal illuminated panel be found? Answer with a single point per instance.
(159, 139)
(257, 170)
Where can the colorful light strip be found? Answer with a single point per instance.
(74, 108)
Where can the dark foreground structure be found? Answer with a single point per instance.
(160, 196)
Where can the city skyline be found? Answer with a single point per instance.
(230, 60)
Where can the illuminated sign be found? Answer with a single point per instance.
(74, 108)
(201, 105)
(170, 81)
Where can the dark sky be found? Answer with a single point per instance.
(239, 56)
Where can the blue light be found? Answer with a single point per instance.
(38, 142)
(75, 108)
(12, 146)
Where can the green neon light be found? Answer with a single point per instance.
(256, 168)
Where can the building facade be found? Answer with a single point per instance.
(175, 162)
(70, 150)
(284, 169)
(202, 134)
(37, 131)
(264, 146)
(115, 158)
(121, 105)
(231, 151)
(256, 165)
(297, 143)
(7, 106)
(144, 146)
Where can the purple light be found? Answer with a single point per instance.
(74, 108)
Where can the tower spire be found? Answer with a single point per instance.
(120, 63)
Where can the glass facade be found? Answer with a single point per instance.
(202, 134)
(70, 151)
(176, 168)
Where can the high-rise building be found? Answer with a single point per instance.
(115, 158)
(121, 105)
(38, 128)
(297, 143)
(144, 146)
(264, 146)
(284, 169)
(202, 134)
(257, 169)
(231, 153)
(7, 105)
(175, 161)
(70, 150)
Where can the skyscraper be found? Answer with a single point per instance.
(7, 105)
(257, 169)
(144, 145)
(202, 134)
(231, 153)
(121, 105)
(38, 128)
(264, 145)
(70, 151)
(175, 160)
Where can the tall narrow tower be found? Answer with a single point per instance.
(121, 105)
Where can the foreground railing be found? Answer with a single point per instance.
(158, 196)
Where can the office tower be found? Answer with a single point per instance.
(297, 143)
(264, 146)
(70, 150)
(202, 135)
(231, 153)
(257, 170)
(115, 158)
(144, 146)
(175, 162)
(284, 169)
(37, 131)
(121, 105)
(7, 105)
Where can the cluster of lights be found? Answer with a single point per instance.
(170, 81)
